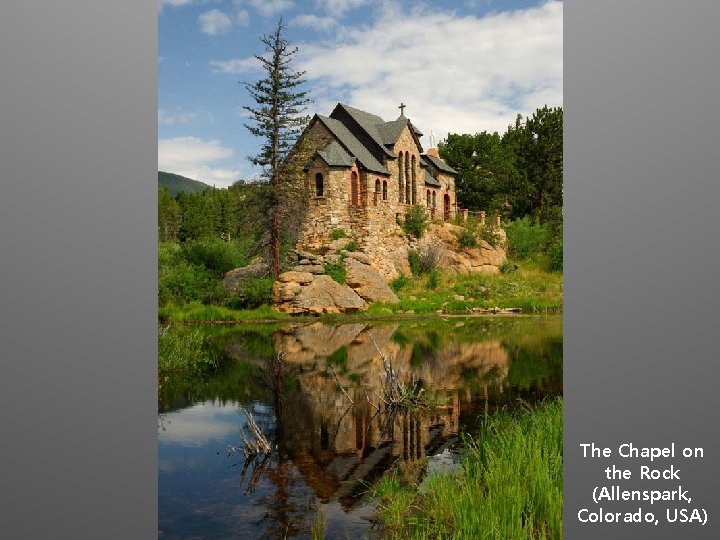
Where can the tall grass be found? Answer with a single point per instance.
(509, 488)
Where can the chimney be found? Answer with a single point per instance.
(432, 151)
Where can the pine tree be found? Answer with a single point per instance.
(278, 119)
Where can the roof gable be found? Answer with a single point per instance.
(352, 145)
(438, 164)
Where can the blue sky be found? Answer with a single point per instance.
(460, 66)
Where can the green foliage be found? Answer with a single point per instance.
(555, 257)
(424, 262)
(336, 272)
(519, 173)
(185, 282)
(352, 246)
(174, 184)
(253, 293)
(467, 238)
(337, 234)
(183, 350)
(339, 358)
(414, 262)
(507, 267)
(527, 238)
(510, 484)
(416, 221)
(217, 255)
(399, 282)
(433, 279)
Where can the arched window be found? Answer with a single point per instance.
(401, 173)
(407, 179)
(354, 189)
(384, 190)
(434, 200)
(427, 198)
(377, 191)
(414, 190)
(319, 187)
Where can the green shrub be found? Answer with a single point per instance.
(253, 293)
(399, 282)
(416, 221)
(352, 246)
(337, 272)
(467, 238)
(215, 254)
(185, 283)
(433, 279)
(555, 257)
(527, 238)
(507, 267)
(337, 234)
(415, 262)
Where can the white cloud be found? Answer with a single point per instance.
(197, 159)
(339, 7)
(268, 8)
(324, 24)
(215, 22)
(172, 3)
(202, 424)
(166, 118)
(456, 74)
(237, 65)
(242, 17)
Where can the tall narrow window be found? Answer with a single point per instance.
(319, 187)
(354, 189)
(427, 198)
(377, 191)
(407, 179)
(412, 172)
(434, 200)
(401, 172)
(384, 190)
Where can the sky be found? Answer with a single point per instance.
(459, 66)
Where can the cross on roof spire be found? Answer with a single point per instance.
(402, 108)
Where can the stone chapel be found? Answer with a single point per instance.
(365, 172)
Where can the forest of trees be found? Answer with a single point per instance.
(518, 174)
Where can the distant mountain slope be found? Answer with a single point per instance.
(176, 183)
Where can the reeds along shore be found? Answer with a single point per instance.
(509, 487)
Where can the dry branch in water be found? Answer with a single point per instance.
(254, 445)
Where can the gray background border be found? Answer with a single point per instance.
(78, 158)
(78, 219)
(641, 110)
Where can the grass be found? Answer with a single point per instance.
(509, 487)
(531, 288)
(197, 312)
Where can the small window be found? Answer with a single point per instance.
(384, 190)
(319, 187)
(377, 186)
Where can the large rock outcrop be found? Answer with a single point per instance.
(306, 293)
(366, 281)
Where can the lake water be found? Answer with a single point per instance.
(327, 449)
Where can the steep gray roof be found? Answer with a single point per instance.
(430, 180)
(335, 156)
(438, 164)
(354, 147)
(390, 131)
(367, 122)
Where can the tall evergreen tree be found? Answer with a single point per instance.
(278, 119)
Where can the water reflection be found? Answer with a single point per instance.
(323, 408)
